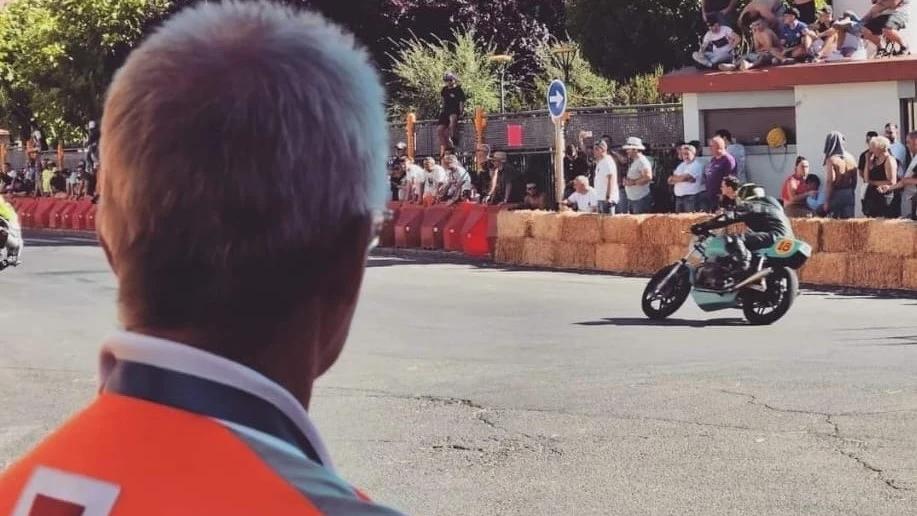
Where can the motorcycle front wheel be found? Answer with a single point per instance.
(764, 308)
(672, 295)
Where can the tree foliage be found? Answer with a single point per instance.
(419, 66)
(57, 58)
(625, 39)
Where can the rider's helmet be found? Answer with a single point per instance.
(749, 192)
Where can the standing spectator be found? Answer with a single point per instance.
(458, 182)
(584, 198)
(503, 176)
(413, 180)
(863, 163)
(575, 165)
(737, 151)
(433, 179)
(908, 182)
(897, 149)
(236, 299)
(882, 170)
(840, 178)
(794, 192)
(721, 164)
(688, 181)
(396, 178)
(718, 45)
(639, 177)
(722, 9)
(453, 108)
(606, 178)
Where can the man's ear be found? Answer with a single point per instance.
(108, 255)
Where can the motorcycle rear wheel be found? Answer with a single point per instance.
(674, 293)
(765, 308)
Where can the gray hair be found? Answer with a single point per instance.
(226, 196)
(583, 180)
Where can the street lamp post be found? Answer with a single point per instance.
(502, 60)
(565, 55)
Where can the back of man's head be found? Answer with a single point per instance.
(243, 159)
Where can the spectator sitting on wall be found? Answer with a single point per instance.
(584, 198)
(721, 164)
(850, 35)
(832, 39)
(452, 110)
(638, 179)
(886, 18)
(718, 45)
(766, 47)
(792, 37)
(688, 181)
(534, 198)
(794, 193)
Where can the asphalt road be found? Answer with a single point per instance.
(475, 390)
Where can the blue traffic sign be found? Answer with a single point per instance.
(557, 98)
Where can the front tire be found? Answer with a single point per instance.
(673, 294)
(765, 308)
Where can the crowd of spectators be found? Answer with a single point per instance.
(772, 32)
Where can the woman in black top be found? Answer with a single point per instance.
(882, 169)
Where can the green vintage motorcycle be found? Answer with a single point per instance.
(714, 286)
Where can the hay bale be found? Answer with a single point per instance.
(623, 229)
(669, 229)
(867, 270)
(514, 224)
(575, 256)
(844, 236)
(892, 237)
(538, 253)
(530, 228)
(613, 257)
(677, 252)
(909, 274)
(585, 228)
(809, 231)
(647, 259)
(547, 226)
(825, 269)
(509, 250)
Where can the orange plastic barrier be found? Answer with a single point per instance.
(387, 238)
(61, 213)
(434, 221)
(77, 219)
(408, 225)
(453, 237)
(41, 214)
(91, 218)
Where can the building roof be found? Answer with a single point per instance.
(692, 80)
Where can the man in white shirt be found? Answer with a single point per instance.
(584, 199)
(638, 179)
(458, 181)
(688, 182)
(718, 45)
(908, 182)
(433, 179)
(606, 178)
(413, 180)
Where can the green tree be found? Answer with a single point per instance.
(57, 58)
(419, 67)
(585, 87)
(626, 39)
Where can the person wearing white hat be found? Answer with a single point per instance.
(638, 178)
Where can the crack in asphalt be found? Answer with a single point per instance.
(835, 435)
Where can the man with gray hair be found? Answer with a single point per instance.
(236, 290)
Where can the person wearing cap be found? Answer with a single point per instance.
(639, 177)
(502, 179)
(718, 44)
(453, 108)
(234, 297)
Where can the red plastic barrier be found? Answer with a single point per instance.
(40, 215)
(387, 238)
(77, 218)
(70, 218)
(91, 218)
(434, 221)
(60, 213)
(474, 232)
(453, 236)
(407, 227)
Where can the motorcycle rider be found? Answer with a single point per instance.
(764, 216)
(10, 234)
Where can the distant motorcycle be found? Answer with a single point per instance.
(714, 282)
(5, 259)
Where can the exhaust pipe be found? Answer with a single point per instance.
(751, 279)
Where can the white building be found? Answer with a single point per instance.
(806, 100)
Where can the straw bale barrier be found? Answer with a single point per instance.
(862, 253)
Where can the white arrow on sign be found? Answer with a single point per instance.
(556, 99)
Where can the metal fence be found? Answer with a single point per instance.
(72, 157)
(659, 125)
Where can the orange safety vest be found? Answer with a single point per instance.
(124, 455)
